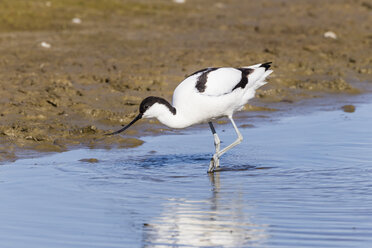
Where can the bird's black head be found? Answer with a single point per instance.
(145, 105)
(151, 100)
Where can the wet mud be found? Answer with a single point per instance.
(64, 83)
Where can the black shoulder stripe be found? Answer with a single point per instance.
(202, 79)
(244, 80)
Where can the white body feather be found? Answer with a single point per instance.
(203, 96)
(220, 98)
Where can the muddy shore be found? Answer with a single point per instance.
(64, 83)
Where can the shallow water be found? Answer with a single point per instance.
(301, 181)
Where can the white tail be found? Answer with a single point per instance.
(256, 79)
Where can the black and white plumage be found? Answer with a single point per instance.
(206, 95)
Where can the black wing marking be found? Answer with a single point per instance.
(202, 79)
(244, 80)
(266, 65)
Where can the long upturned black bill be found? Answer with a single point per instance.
(139, 116)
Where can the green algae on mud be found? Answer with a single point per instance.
(348, 108)
(96, 73)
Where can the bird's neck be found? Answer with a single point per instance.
(173, 119)
(168, 115)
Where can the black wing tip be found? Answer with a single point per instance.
(266, 65)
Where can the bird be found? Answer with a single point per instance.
(204, 96)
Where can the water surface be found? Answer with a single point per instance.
(301, 181)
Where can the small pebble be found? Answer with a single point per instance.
(45, 44)
(76, 20)
(330, 34)
(179, 1)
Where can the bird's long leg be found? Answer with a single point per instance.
(236, 142)
(217, 141)
(215, 159)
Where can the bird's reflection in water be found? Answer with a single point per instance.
(218, 221)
